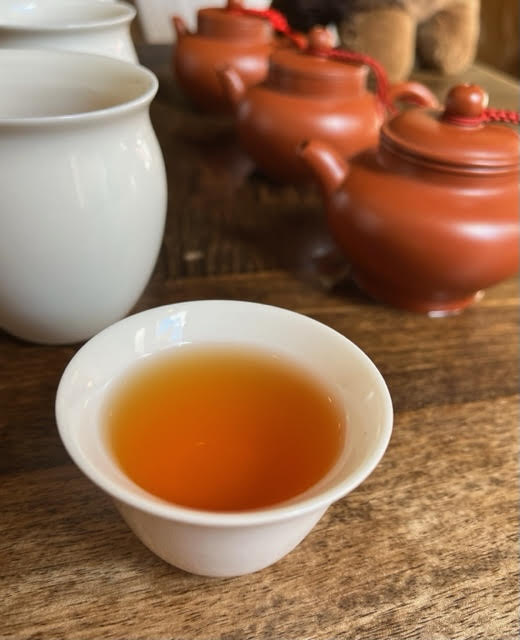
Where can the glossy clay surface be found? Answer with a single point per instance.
(222, 38)
(427, 221)
(205, 542)
(308, 96)
(83, 192)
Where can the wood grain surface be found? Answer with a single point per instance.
(425, 549)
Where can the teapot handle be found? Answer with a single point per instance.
(413, 92)
(180, 27)
(232, 85)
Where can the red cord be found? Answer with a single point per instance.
(353, 56)
(501, 115)
(279, 23)
(487, 115)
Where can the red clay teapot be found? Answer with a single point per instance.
(430, 217)
(308, 96)
(224, 37)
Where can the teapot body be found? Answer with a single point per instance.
(311, 92)
(197, 59)
(422, 239)
(272, 123)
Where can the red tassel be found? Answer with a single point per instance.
(501, 115)
(280, 25)
(487, 115)
(377, 68)
(278, 22)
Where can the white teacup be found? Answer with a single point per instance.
(82, 190)
(212, 543)
(90, 26)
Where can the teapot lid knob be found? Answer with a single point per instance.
(234, 4)
(465, 103)
(320, 38)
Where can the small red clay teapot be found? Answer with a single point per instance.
(309, 96)
(224, 37)
(430, 218)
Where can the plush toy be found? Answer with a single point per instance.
(443, 33)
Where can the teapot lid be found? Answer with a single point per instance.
(457, 138)
(223, 22)
(300, 68)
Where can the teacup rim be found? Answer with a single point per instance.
(144, 99)
(223, 519)
(128, 13)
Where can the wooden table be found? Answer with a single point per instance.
(425, 549)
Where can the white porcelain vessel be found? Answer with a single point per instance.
(82, 192)
(91, 26)
(211, 543)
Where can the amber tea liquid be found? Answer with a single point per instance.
(223, 428)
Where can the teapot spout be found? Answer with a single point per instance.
(325, 163)
(232, 84)
(180, 27)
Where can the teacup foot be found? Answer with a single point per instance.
(404, 300)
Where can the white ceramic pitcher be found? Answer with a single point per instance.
(82, 192)
(91, 26)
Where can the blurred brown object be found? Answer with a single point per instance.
(499, 44)
(135, 28)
